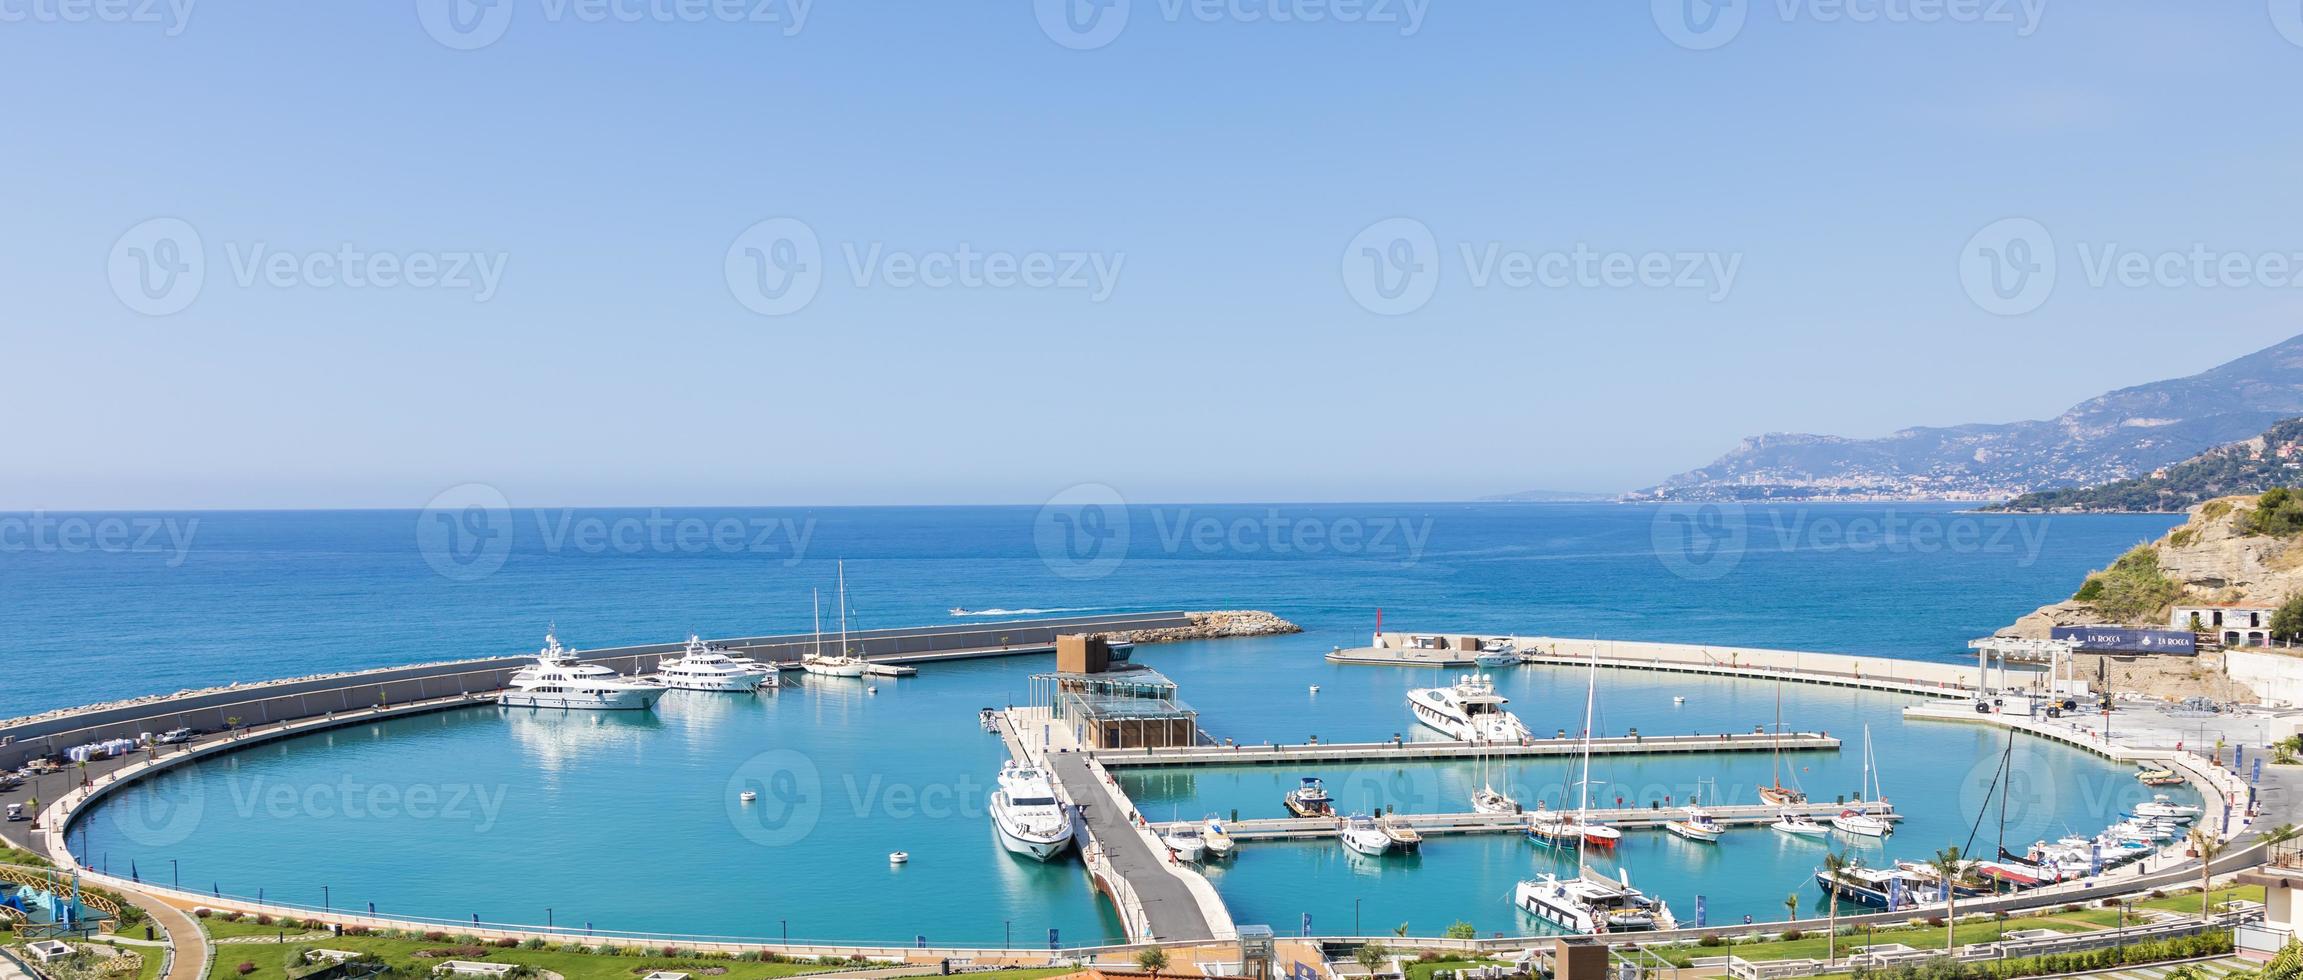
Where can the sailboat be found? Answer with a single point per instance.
(1589, 903)
(1488, 799)
(1858, 820)
(841, 664)
(1779, 794)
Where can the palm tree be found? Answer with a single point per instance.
(1834, 865)
(1152, 960)
(1371, 956)
(1791, 907)
(1947, 863)
(2208, 846)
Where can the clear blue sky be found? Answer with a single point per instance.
(1224, 165)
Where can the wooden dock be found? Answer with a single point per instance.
(1627, 818)
(1406, 751)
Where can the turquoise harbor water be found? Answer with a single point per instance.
(631, 822)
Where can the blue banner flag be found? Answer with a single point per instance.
(1894, 894)
(1702, 910)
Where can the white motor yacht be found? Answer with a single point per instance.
(1799, 825)
(1362, 835)
(1469, 711)
(703, 667)
(2161, 807)
(1697, 825)
(1186, 844)
(557, 680)
(1030, 819)
(1218, 840)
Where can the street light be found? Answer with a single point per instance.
(175, 880)
(1355, 917)
(787, 924)
(1011, 940)
(548, 923)
(327, 901)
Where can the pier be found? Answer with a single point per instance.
(1456, 650)
(1625, 818)
(1441, 751)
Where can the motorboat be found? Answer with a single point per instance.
(1362, 835)
(962, 611)
(557, 680)
(1492, 655)
(703, 667)
(2159, 776)
(1798, 825)
(749, 796)
(1186, 844)
(1403, 836)
(1468, 711)
(1031, 821)
(1218, 840)
(1697, 825)
(2161, 807)
(1553, 828)
(1874, 887)
(1591, 904)
(1309, 799)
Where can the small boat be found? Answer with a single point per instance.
(748, 796)
(1186, 844)
(1361, 835)
(962, 611)
(899, 857)
(1402, 836)
(2161, 807)
(1309, 799)
(1799, 825)
(1315, 689)
(1697, 826)
(1678, 699)
(1218, 840)
(2151, 775)
(873, 689)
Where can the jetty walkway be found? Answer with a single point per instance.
(1435, 751)
(1625, 818)
(1947, 680)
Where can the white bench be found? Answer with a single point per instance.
(474, 968)
(48, 950)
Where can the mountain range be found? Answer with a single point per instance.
(2121, 434)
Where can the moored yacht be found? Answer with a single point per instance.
(1030, 819)
(1309, 799)
(1217, 840)
(2161, 807)
(557, 680)
(703, 667)
(1798, 824)
(1591, 904)
(1362, 835)
(1469, 711)
(1697, 825)
(1875, 887)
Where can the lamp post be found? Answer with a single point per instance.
(1355, 917)
(787, 926)
(327, 901)
(1010, 942)
(175, 880)
(548, 921)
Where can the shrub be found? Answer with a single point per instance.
(245, 968)
(534, 944)
(1793, 935)
(263, 918)
(1709, 939)
(1935, 921)
(435, 936)
(507, 942)
(232, 916)
(672, 952)
(203, 913)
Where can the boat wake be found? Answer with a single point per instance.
(1024, 612)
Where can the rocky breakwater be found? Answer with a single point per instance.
(1222, 624)
(2241, 549)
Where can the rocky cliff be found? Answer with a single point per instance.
(1221, 624)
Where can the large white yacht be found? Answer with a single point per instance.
(1031, 822)
(1470, 711)
(558, 681)
(703, 667)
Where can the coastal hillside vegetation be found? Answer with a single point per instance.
(2133, 589)
(2251, 466)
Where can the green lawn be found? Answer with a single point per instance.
(10, 855)
(272, 961)
(218, 928)
(1423, 971)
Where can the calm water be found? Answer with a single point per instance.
(506, 815)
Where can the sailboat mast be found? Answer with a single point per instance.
(816, 599)
(843, 568)
(1776, 742)
(1583, 804)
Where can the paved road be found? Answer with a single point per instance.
(1174, 914)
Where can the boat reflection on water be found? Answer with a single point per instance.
(556, 740)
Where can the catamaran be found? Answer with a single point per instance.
(1589, 903)
(1469, 711)
(1858, 819)
(1779, 794)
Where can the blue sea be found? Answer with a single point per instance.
(848, 775)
